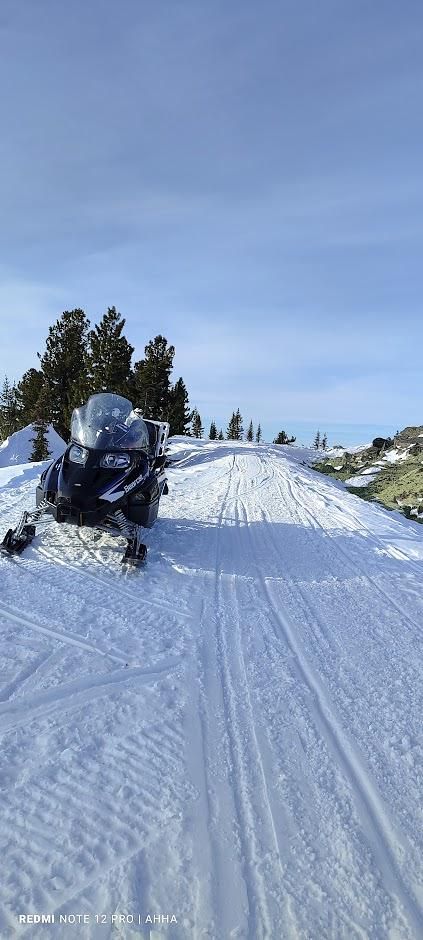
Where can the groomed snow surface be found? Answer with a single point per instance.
(232, 736)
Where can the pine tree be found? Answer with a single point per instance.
(238, 426)
(9, 418)
(283, 438)
(179, 412)
(324, 442)
(64, 367)
(231, 431)
(221, 436)
(109, 356)
(213, 432)
(196, 425)
(40, 449)
(258, 434)
(235, 428)
(151, 380)
(250, 432)
(316, 444)
(28, 394)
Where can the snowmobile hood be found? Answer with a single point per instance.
(86, 485)
(108, 422)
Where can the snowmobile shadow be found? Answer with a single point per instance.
(278, 550)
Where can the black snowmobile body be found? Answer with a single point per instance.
(85, 496)
(110, 477)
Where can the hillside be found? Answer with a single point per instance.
(230, 736)
(392, 476)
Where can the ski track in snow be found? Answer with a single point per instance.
(380, 831)
(233, 734)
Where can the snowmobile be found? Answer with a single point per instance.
(110, 477)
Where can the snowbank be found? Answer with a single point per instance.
(17, 448)
(363, 479)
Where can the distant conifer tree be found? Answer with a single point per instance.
(283, 438)
(213, 432)
(231, 430)
(258, 434)
(9, 411)
(238, 425)
(40, 450)
(235, 428)
(221, 436)
(196, 425)
(250, 432)
(179, 415)
(316, 444)
(324, 442)
(28, 395)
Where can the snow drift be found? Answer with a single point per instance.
(17, 448)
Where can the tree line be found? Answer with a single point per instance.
(79, 361)
(234, 431)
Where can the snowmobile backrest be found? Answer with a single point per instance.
(158, 432)
(162, 433)
(152, 434)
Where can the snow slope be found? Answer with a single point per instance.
(231, 736)
(17, 448)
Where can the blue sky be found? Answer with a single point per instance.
(245, 178)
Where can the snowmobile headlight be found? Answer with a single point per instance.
(78, 454)
(111, 461)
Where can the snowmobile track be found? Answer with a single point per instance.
(353, 564)
(73, 694)
(113, 585)
(383, 834)
(71, 639)
(247, 774)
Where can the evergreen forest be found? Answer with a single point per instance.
(78, 361)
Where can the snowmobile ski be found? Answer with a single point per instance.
(14, 544)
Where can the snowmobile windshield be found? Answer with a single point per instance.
(109, 422)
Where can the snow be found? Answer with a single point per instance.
(16, 471)
(340, 451)
(17, 448)
(362, 479)
(392, 456)
(365, 477)
(232, 735)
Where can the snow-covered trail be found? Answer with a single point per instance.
(231, 736)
